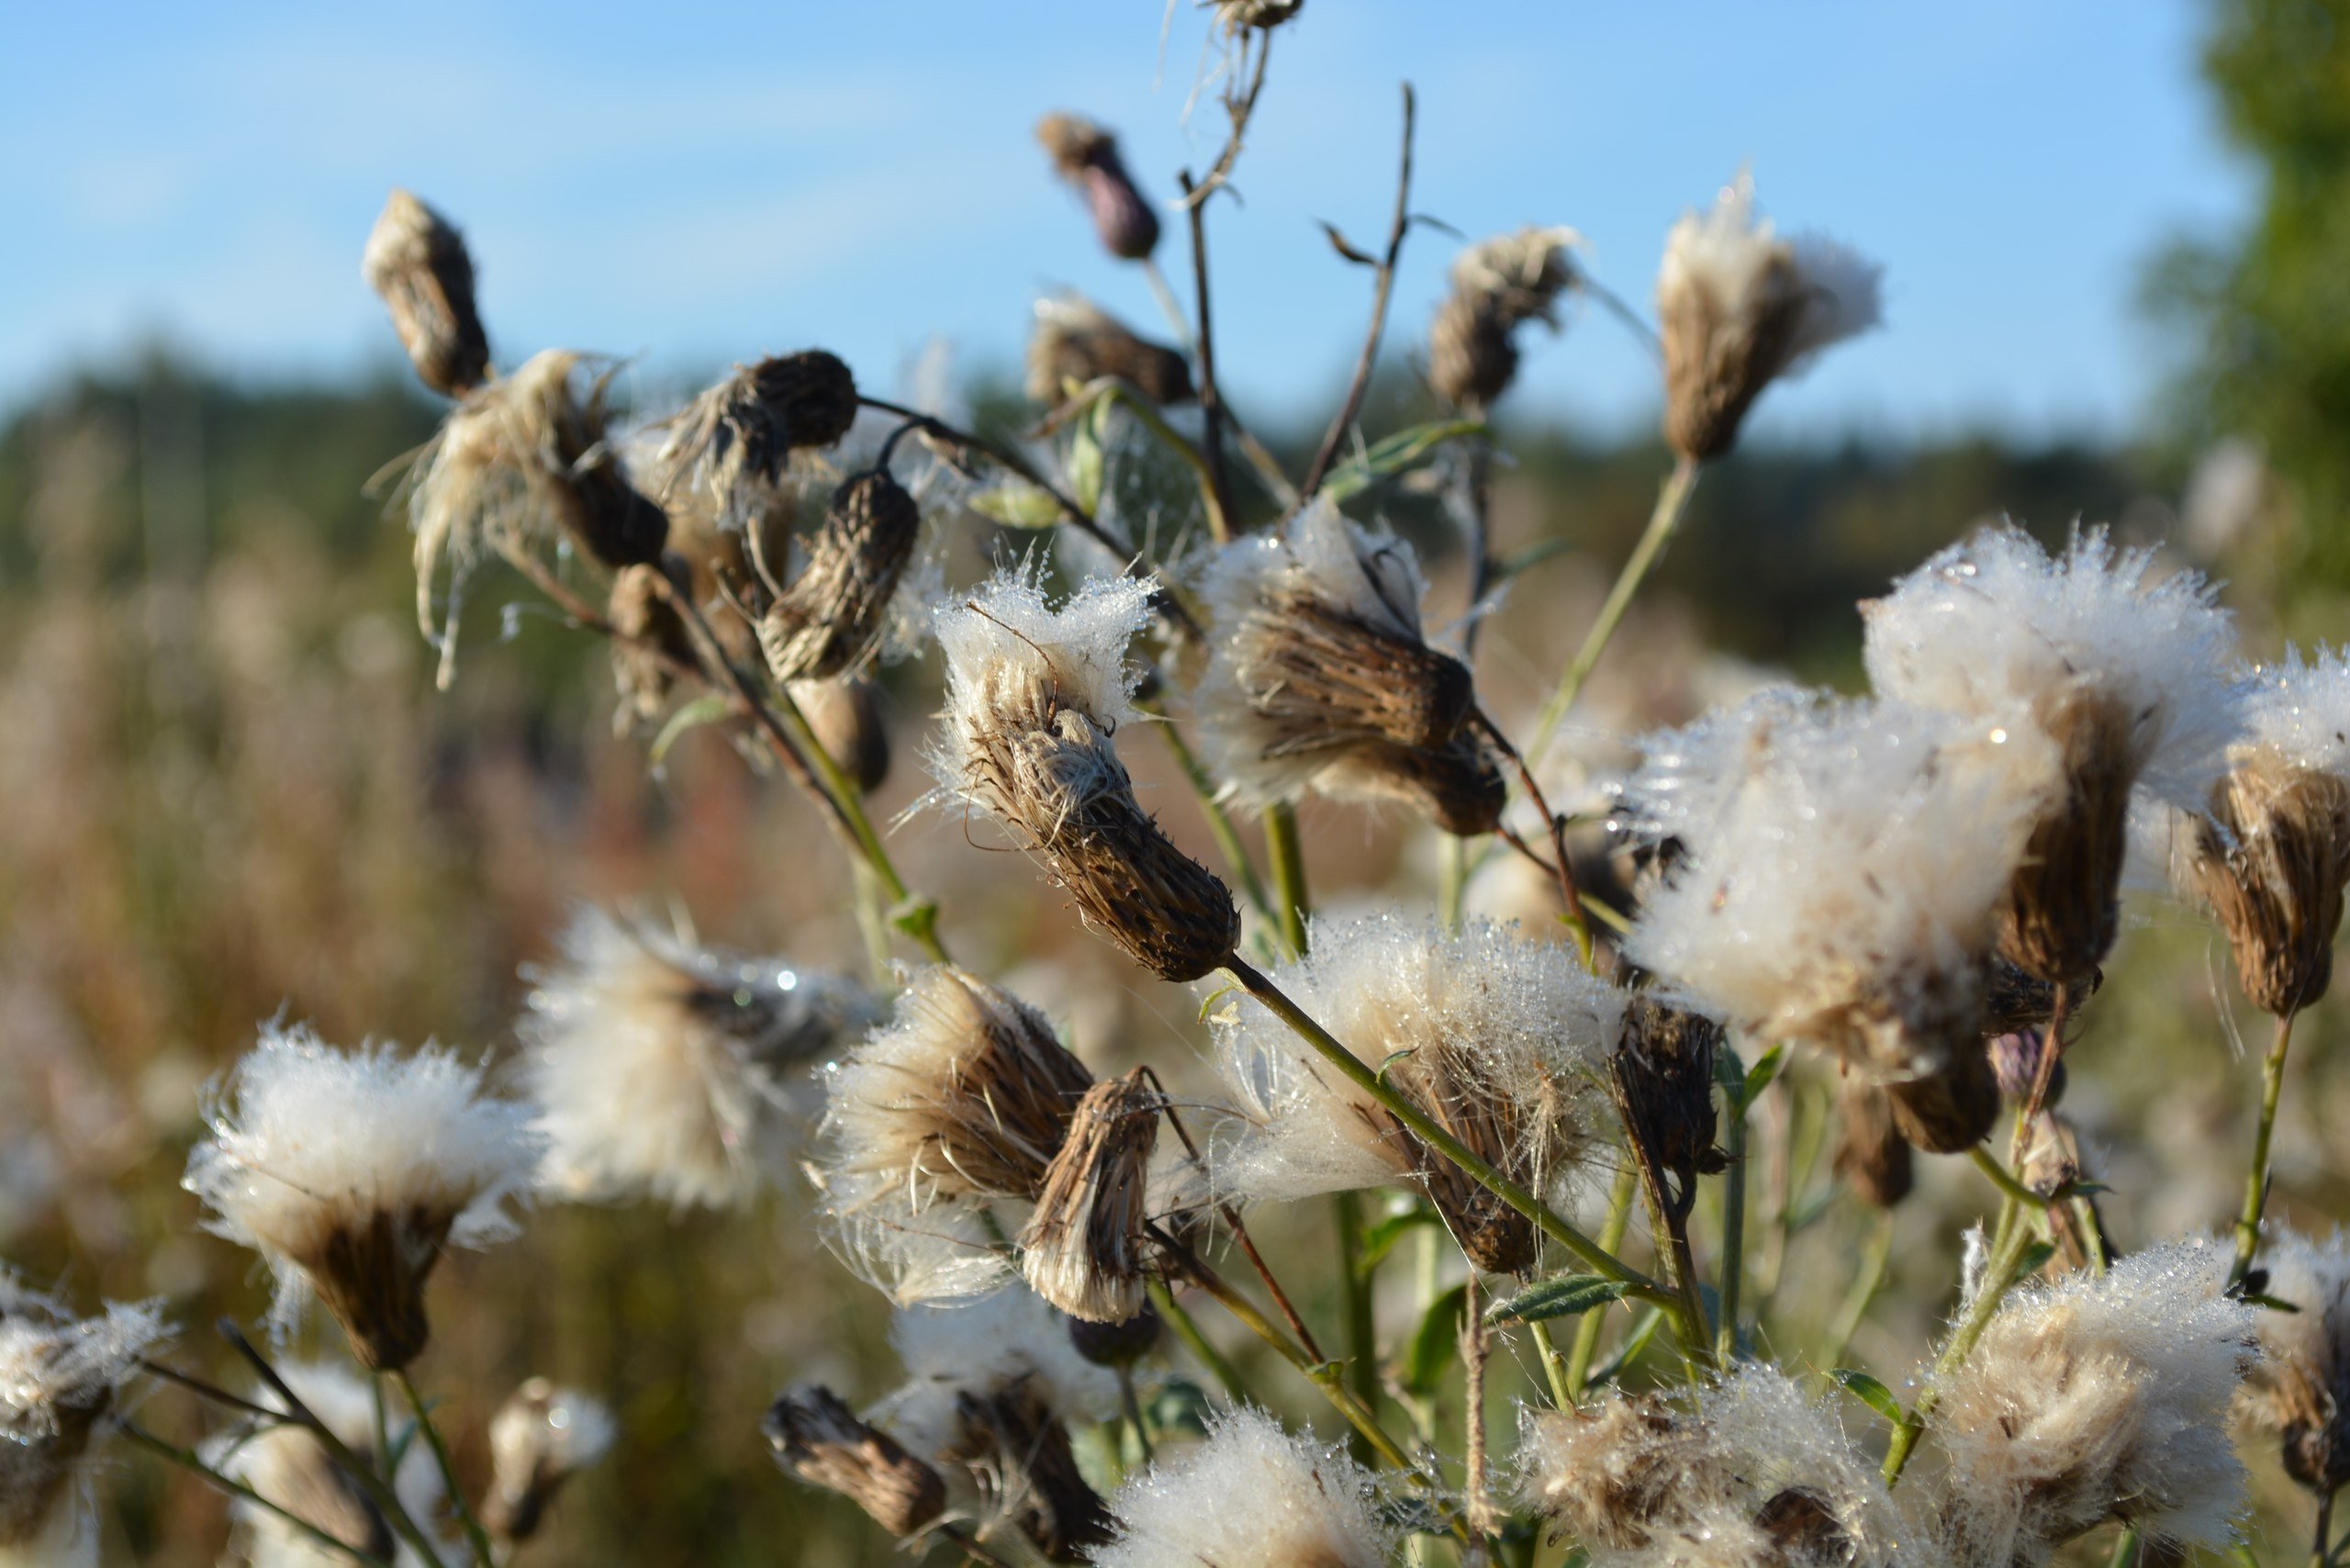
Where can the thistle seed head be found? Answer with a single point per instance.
(1083, 1248)
(1951, 1109)
(1236, 16)
(1250, 1496)
(2271, 861)
(1018, 1450)
(350, 1171)
(1663, 1071)
(1034, 694)
(417, 261)
(827, 621)
(2301, 1391)
(540, 1437)
(651, 641)
(1086, 155)
(667, 1069)
(1456, 786)
(1739, 306)
(819, 1440)
(60, 1376)
(730, 445)
(1497, 286)
(1075, 342)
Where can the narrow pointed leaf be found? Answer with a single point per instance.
(1569, 1296)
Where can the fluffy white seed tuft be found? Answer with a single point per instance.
(1250, 1496)
(2300, 1392)
(1010, 1338)
(60, 1375)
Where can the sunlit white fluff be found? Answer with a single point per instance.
(2098, 1397)
(60, 1377)
(309, 1144)
(1759, 1473)
(540, 1437)
(1504, 1041)
(1250, 1496)
(1998, 629)
(1844, 860)
(666, 1069)
(1008, 1338)
(293, 1470)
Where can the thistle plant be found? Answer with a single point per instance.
(1554, 1164)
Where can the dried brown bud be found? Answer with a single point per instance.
(417, 262)
(1472, 357)
(1497, 286)
(2015, 1000)
(1019, 1451)
(372, 1276)
(1871, 1153)
(651, 641)
(2272, 863)
(819, 1440)
(1662, 1072)
(2058, 917)
(1116, 1344)
(1087, 156)
(730, 443)
(1240, 16)
(1950, 1110)
(1075, 342)
(828, 618)
(1446, 1082)
(1083, 1247)
(846, 715)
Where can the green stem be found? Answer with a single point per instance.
(1611, 1236)
(1133, 1412)
(1554, 1368)
(1221, 826)
(1671, 502)
(1355, 1285)
(1291, 903)
(2255, 1194)
(189, 1460)
(873, 923)
(1866, 1285)
(475, 1534)
(1998, 1275)
(2125, 1549)
(1187, 1329)
(1597, 1258)
(2000, 1177)
(383, 1425)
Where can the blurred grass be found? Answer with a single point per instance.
(230, 790)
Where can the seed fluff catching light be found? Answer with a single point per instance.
(1251, 1495)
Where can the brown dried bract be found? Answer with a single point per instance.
(2058, 917)
(417, 261)
(2271, 863)
(825, 621)
(1083, 1247)
(821, 1440)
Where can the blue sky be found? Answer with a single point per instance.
(701, 185)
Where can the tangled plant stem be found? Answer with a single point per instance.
(2255, 1195)
(190, 1460)
(478, 1538)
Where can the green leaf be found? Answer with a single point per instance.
(1568, 1296)
(1870, 1392)
(1180, 1405)
(2274, 1304)
(1436, 1345)
(1086, 464)
(705, 710)
(1405, 449)
(1643, 1331)
(917, 917)
(1759, 1076)
(2035, 1258)
(1380, 1238)
(1015, 503)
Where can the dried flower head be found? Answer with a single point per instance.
(663, 1068)
(650, 643)
(521, 463)
(1950, 1109)
(2015, 1061)
(1662, 1072)
(417, 261)
(1075, 341)
(819, 1440)
(1034, 694)
(829, 618)
(1083, 1247)
(2301, 1391)
(350, 1172)
(2124, 676)
(1871, 1154)
(728, 447)
(60, 1375)
(1250, 1496)
(1740, 307)
(292, 1469)
(844, 715)
(1498, 286)
(1086, 155)
(1320, 656)
(1236, 17)
(2272, 857)
(1842, 862)
(1763, 1476)
(962, 1101)
(540, 1437)
(1501, 1041)
(2098, 1397)
(991, 1392)
(1456, 786)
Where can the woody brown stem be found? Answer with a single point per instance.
(1382, 293)
(1211, 400)
(2042, 1076)
(1556, 825)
